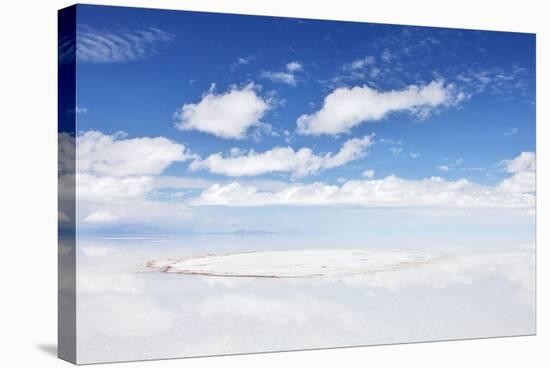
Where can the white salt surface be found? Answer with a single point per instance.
(398, 295)
(295, 263)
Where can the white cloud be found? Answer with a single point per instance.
(100, 217)
(95, 45)
(287, 76)
(414, 154)
(345, 108)
(142, 210)
(110, 155)
(294, 66)
(282, 77)
(282, 159)
(390, 191)
(369, 174)
(177, 182)
(115, 177)
(526, 161)
(523, 179)
(109, 188)
(522, 182)
(227, 115)
(496, 81)
(443, 168)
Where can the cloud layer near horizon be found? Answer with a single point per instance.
(117, 175)
(391, 191)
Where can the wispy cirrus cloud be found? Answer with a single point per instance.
(114, 45)
(405, 57)
(497, 81)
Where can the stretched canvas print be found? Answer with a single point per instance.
(237, 184)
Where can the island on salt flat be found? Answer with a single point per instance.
(294, 263)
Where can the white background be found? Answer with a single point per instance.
(28, 180)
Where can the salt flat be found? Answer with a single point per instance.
(295, 263)
(307, 298)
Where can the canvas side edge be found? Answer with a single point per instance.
(67, 111)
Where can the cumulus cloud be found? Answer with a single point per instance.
(345, 108)
(526, 161)
(116, 176)
(100, 217)
(101, 45)
(522, 182)
(228, 115)
(391, 191)
(524, 178)
(112, 155)
(282, 159)
(110, 188)
(287, 76)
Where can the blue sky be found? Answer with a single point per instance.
(413, 103)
